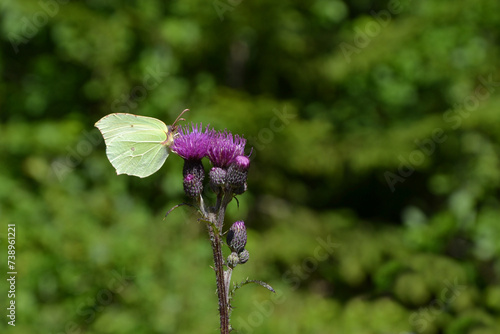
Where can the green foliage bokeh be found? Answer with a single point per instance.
(373, 198)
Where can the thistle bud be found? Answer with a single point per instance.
(217, 178)
(237, 172)
(193, 177)
(232, 260)
(237, 237)
(244, 255)
(194, 167)
(241, 189)
(192, 188)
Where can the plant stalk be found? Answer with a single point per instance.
(223, 279)
(222, 293)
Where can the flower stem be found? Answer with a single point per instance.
(215, 239)
(223, 279)
(224, 201)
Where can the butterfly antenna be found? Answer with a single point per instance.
(179, 117)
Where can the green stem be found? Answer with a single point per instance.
(222, 210)
(222, 293)
(223, 278)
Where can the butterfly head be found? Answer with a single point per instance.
(172, 130)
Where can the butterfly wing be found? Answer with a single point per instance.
(135, 145)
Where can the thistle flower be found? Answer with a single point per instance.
(224, 148)
(242, 162)
(191, 143)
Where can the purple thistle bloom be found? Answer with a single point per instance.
(224, 148)
(192, 143)
(242, 162)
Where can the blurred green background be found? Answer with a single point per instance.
(373, 201)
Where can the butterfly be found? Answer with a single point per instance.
(137, 145)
